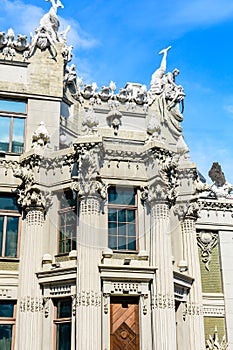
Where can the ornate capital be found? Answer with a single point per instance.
(159, 192)
(88, 183)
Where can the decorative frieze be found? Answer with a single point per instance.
(213, 311)
(161, 301)
(89, 298)
(5, 293)
(31, 304)
(192, 309)
(60, 290)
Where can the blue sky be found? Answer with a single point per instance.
(120, 40)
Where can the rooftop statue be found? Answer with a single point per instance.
(221, 188)
(157, 83)
(164, 83)
(47, 34)
(50, 20)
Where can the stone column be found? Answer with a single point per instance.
(30, 306)
(163, 309)
(193, 313)
(91, 192)
(88, 281)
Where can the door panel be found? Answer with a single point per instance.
(124, 324)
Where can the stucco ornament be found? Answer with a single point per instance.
(40, 137)
(114, 120)
(213, 343)
(207, 241)
(30, 196)
(90, 122)
(89, 183)
(11, 47)
(154, 126)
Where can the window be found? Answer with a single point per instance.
(62, 323)
(67, 223)
(122, 218)
(12, 125)
(9, 226)
(7, 324)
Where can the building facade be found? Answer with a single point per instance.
(109, 239)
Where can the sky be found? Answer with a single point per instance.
(120, 40)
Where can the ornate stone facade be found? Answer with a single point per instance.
(110, 210)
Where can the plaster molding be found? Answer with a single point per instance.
(207, 241)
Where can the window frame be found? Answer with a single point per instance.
(62, 211)
(5, 213)
(61, 320)
(14, 115)
(127, 207)
(10, 320)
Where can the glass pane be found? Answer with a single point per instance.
(8, 202)
(64, 308)
(62, 247)
(73, 244)
(132, 244)
(6, 309)
(1, 233)
(131, 230)
(13, 106)
(121, 243)
(112, 195)
(63, 336)
(67, 200)
(131, 215)
(18, 135)
(122, 215)
(112, 215)
(4, 133)
(5, 336)
(112, 242)
(121, 196)
(122, 229)
(11, 236)
(112, 228)
(68, 245)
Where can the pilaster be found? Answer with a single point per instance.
(90, 193)
(30, 310)
(193, 311)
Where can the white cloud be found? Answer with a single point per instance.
(229, 108)
(76, 36)
(201, 12)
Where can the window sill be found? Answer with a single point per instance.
(8, 258)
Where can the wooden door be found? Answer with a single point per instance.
(124, 324)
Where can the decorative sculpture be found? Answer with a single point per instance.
(213, 342)
(220, 188)
(40, 137)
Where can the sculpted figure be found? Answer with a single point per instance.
(3, 40)
(173, 92)
(50, 20)
(156, 79)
